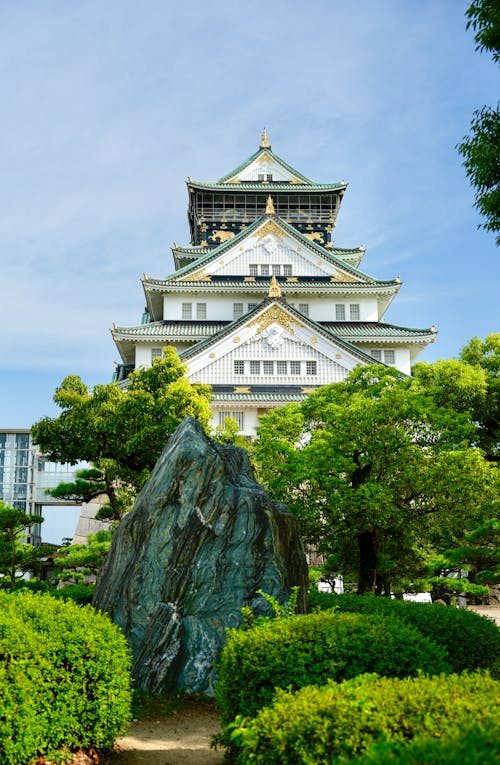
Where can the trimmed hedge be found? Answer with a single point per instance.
(473, 747)
(304, 650)
(471, 641)
(337, 722)
(64, 678)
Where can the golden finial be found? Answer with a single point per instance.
(274, 288)
(264, 141)
(270, 206)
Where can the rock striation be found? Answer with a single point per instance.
(202, 538)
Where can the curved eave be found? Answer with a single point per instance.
(252, 287)
(267, 187)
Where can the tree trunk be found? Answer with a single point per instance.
(367, 573)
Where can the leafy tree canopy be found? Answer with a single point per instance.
(121, 432)
(17, 558)
(373, 467)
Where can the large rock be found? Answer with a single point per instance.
(202, 538)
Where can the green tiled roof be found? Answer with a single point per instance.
(266, 188)
(215, 285)
(262, 150)
(369, 329)
(278, 396)
(293, 232)
(162, 328)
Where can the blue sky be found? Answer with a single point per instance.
(107, 107)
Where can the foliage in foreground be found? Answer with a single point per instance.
(304, 650)
(474, 747)
(471, 641)
(64, 678)
(337, 722)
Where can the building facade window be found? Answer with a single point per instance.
(264, 269)
(354, 313)
(239, 367)
(253, 269)
(276, 267)
(268, 367)
(156, 353)
(237, 310)
(287, 269)
(304, 309)
(201, 311)
(377, 355)
(311, 367)
(238, 416)
(255, 367)
(387, 356)
(187, 311)
(339, 312)
(295, 367)
(281, 367)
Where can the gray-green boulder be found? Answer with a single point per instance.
(202, 538)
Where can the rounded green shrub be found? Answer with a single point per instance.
(471, 641)
(64, 678)
(338, 722)
(473, 747)
(305, 650)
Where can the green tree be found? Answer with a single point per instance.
(121, 432)
(481, 148)
(373, 467)
(17, 558)
(74, 562)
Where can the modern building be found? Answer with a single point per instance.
(25, 474)
(263, 305)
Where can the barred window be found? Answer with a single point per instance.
(237, 310)
(354, 312)
(304, 308)
(268, 367)
(255, 367)
(281, 367)
(253, 269)
(287, 270)
(187, 311)
(389, 357)
(295, 367)
(239, 367)
(156, 353)
(264, 269)
(339, 312)
(201, 311)
(311, 367)
(238, 416)
(377, 355)
(276, 269)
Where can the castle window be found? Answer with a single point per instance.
(156, 353)
(269, 177)
(281, 367)
(287, 270)
(354, 312)
(237, 310)
(187, 311)
(339, 312)
(253, 269)
(201, 311)
(304, 309)
(276, 269)
(238, 416)
(389, 357)
(295, 367)
(311, 367)
(261, 176)
(239, 367)
(377, 355)
(268, 367)
(255, 367)
(264, 269)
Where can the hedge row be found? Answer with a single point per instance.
(472, 747)
(64, 678)
(338, 722)
(471, 641)
(303, 650)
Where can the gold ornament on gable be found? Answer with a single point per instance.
(270, 227)
(275, 315)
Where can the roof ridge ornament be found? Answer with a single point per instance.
(274, 288)
(264, 141)
(270, 206)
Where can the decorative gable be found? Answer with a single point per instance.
(265, 168)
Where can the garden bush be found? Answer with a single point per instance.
(64, 678)
(471, 641)
(338, 722)
(472, 747)
(305, 650)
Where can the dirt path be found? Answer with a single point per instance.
(182, 738)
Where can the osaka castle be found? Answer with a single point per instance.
(262, 304)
